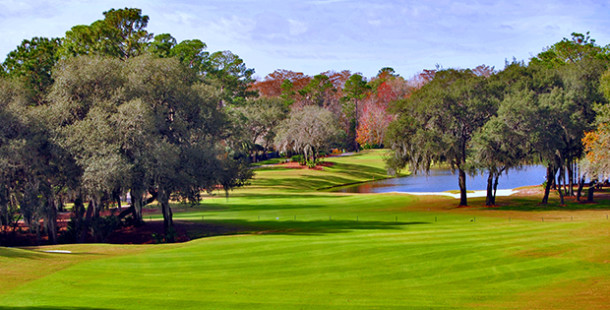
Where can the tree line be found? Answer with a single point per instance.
(108, 111)
(112, 110)
(550, 111)
(535, 113)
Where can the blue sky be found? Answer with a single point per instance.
(313, 36)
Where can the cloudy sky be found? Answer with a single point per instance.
(313, 36)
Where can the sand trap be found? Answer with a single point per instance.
(473, 194)
(58, 251)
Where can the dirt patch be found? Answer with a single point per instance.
(529, 191)
(577, 294)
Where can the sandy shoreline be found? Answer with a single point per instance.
(471, 194)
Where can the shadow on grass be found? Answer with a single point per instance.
(317, 227)
(234, 207)
(17, 253)
(253, 202)
(533, 204)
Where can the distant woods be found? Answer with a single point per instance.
(535, 113)
(111, 114)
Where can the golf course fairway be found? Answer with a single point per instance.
(296, 247)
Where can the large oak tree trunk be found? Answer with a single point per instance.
(462, 184)
(87, 223)
(137, 204)
(116, 196)
(79, 212)
(560, 180)
(93, 214)
(51, 220)
(98, 207)
(4, 209)
(496, 181)
(489, 200)
(581, 184)
(550, 178)
(591, 190)
(168, 223)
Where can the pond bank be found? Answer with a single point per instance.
(469, 194)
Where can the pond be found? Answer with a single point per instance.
(440, 180)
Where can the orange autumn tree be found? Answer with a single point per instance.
(374, 117)
(597, 145)
(597, 148)
(372, 125)
(281, 81)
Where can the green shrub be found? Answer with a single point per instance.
(368, 146)
(103, 226)
(299, 159)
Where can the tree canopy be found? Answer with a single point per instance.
(438, 121)
(307, 131)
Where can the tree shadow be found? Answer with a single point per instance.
(21, 253)
(316, 227)
(28, 253)
(253, 202)
(533, 204)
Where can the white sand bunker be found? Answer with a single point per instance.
(58, 251)
(472, 194)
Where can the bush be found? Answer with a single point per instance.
(103, 226)
(168, 238)
(299, 159)
(158, 238)
(368, 146)
(71, 233)
(313, 164)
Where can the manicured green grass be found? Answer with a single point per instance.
(342, 265)
(271, 161)
(306, 249)
(361, 167)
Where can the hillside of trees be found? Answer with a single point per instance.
(111, 110)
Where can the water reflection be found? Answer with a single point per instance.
(440, 180)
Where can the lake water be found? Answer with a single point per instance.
(440, 180)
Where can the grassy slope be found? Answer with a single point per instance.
(326, 250)
(362, 167)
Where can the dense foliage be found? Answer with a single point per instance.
(534, 114)
(105, 114)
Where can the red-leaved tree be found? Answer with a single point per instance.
(372, 125)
